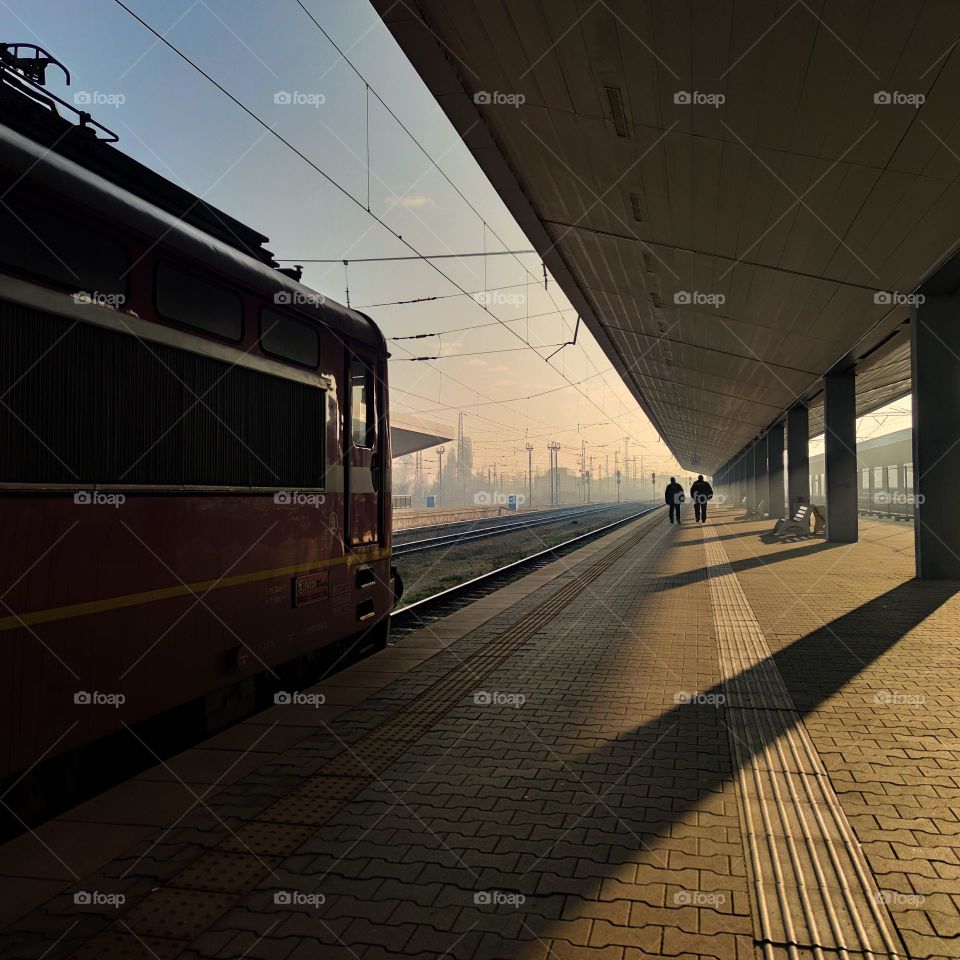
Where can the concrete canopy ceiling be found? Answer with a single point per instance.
(785, 210)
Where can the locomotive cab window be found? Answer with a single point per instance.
(184, 297)
(289, 339)
(362, 409)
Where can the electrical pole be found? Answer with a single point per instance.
(439, 476)
(529, 448)
(583, 470)
(461, 478)
(554, 447)
(626, 458)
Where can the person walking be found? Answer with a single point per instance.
(701, 491)
(674, 497)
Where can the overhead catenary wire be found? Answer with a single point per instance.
(421, 256)
(475, 353)
(499, 438)
(525, 434)
(532, 396)
(416, 141)
(443, 296)
(346, 193)
(410, 393)
(558, 310)
(467, 386)
(254, 116)
(482, 326)
(440, 170)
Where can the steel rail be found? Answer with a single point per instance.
(432, 543)
(403, 615)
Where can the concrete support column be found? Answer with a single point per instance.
(776, 507)
(760, 476)
(744, 494)
(798, 457)
(840, 455)
(750, 478)
(935, 365)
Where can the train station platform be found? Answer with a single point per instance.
(686, 741)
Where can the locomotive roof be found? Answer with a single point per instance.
(99, 156)
(58, 173)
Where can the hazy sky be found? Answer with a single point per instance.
(178, 123)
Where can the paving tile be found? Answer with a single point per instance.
(19, 895)
(144, 803)
(64, 849)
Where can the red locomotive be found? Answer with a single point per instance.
(194, 447)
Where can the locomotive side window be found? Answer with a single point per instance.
(289, 339)
(58, 248)
(185, 297)
(362, 412)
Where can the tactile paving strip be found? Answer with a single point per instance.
(175, 914)
(224, 872)
(125, 946)
(813, 891)
(192, 901)
(267, 839)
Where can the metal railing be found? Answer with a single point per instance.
(889, 504)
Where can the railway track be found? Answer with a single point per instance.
(428, 528)
(433, 608)
(494, 530)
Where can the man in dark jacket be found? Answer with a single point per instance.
(673, 495)
(701, 491)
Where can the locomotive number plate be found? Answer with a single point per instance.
(310, 588)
